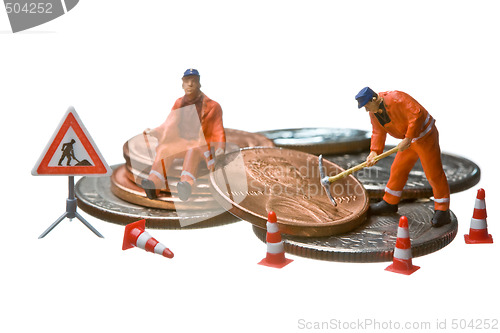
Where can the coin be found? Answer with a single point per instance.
(247, 139)
(95, 198)
(460, 172)
(374, 241)
(127, 190)
(254, 181)
(140, 153)
(320, 140)
(201, 186)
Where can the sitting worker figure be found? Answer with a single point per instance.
(193, 131)
(398, 114)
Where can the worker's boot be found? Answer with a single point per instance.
(150, 189)
(184, 190)
(440, 218)
(383, 207)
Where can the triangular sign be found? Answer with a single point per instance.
(71, 151)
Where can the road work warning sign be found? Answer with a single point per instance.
(71, 151)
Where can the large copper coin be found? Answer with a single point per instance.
(140, 153)
(320, 140)
(95, 197)
(375, 240)
(125, 189)
(255, 181)
(460, 172)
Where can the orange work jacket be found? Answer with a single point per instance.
(409, 119)
(210, 119)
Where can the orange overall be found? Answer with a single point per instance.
(409, 119)
(189, 132)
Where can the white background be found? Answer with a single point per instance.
(270, 64)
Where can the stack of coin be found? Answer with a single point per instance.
(119, 199)
(139, 153)
(251, 181)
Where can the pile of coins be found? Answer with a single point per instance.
(256, 177)
(120, 198)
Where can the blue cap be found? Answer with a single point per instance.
(190, 72)
(364, 96)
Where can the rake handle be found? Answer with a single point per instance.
(358, 167)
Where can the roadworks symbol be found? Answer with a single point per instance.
(26, 14)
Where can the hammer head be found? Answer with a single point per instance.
(324, 180)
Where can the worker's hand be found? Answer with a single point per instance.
(404, 144)
(370, 160)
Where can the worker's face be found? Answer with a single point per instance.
(191, 85)
(372, 106)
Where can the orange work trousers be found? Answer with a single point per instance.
(192, 158)
(427, 149)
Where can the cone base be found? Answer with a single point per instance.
(268, 263)
(409, 271)
(487, 240)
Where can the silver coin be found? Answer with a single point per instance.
(461, 173)
(320, 140)
(375, 240)
(95, 197)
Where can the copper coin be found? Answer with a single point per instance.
(125, 189)
(254, 181)
(201, 186)
(95, 197)
(460, 172)
(320, 140)
(140, 151)
(375, 240)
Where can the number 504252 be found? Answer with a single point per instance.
(29, 8)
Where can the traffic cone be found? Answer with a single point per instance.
(135, 235)
(401, 262)
(478, 232)
(275, 250)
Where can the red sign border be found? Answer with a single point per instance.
(71, 120)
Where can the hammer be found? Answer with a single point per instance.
(326, 181)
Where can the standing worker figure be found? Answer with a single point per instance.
(193, 131)
(398, 114)
(68, 152)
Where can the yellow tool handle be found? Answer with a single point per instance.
(361, 166)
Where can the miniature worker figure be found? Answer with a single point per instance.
(398, 114)
(194, 131)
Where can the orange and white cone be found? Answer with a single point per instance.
(478, 232)
(136, 236)
(275, 249)
(401, 262)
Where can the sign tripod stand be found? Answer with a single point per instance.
(71, 213)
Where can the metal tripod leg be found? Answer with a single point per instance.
(49, 229)
(88, 225)
(71, 213)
